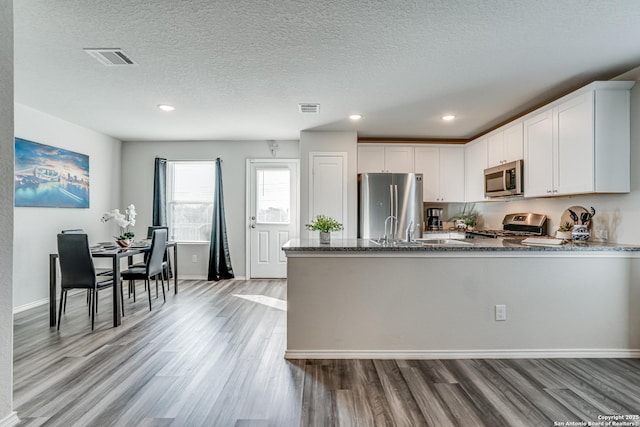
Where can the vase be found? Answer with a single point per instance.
(564, 235)
(124, 243)
(325, 237)
(580, 233)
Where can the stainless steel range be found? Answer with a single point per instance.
(516, 225)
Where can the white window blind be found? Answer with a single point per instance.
(190, 200)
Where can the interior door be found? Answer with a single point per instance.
(273, 215)
(327, 189)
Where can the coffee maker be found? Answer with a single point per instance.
(434, 219)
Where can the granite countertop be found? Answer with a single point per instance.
(451, 245)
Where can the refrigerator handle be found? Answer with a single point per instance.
(395, 231)
(391, 202)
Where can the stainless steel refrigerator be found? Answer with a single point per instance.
(381, 195)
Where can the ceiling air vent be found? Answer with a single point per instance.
(110, 57)
(309, 108)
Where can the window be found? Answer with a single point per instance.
(273, 188)
(190, 200)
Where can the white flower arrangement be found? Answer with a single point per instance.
(124, 221)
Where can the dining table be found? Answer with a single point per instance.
(116, 255)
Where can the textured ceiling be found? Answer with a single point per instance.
(237, 69)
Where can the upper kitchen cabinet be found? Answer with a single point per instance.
(505, 145)
(442, 168)
(475, 162)
(385, 158)
(580, 144)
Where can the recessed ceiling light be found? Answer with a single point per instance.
(448, 117)
(165, 107)
(355, 117)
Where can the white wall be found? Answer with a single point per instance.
(137, 188)
(619, 214)
(347, 142)
(6, 211)
(36, 228)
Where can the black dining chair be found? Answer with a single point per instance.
(99, 272)
(166, 260)
(78, 272)
(153, 266)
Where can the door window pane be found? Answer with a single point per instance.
(272, 193)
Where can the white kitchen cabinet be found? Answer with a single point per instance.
(442, 169)
(505, 145)
(475, 162)
(370, 158)
(580, 144)
(385, 158)
(538, 159)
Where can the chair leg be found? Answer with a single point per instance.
(96, 297)
(156, 286)
(122, 297)
(94, 307)
(62, 295)
(164, 297)
(65, 302)
(146, 282)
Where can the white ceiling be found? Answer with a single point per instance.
(237, 69)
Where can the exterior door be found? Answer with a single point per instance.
(273, 215)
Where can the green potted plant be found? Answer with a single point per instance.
(564, 231)
(466, 219)
(325, 225)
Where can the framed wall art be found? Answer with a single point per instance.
(47, 176)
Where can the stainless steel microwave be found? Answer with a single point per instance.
(504, 180)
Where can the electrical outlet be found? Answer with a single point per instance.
(194, 258)
(501, 312)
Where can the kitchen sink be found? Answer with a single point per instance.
(444, 242)
(395, 243)
(420, 242)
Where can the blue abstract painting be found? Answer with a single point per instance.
(47, 176)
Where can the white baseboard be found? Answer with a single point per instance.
(10, 420)
(195, 277)
(26, 307)
(465, 354)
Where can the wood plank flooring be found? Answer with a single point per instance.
(213, 356)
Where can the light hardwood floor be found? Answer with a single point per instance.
(213, 356)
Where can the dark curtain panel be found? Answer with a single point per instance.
(160, 202)
(160, 193)
(219, 256)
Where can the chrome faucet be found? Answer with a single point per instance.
(409, 232)
(393, 233)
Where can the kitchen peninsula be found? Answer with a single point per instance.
(358, 299)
